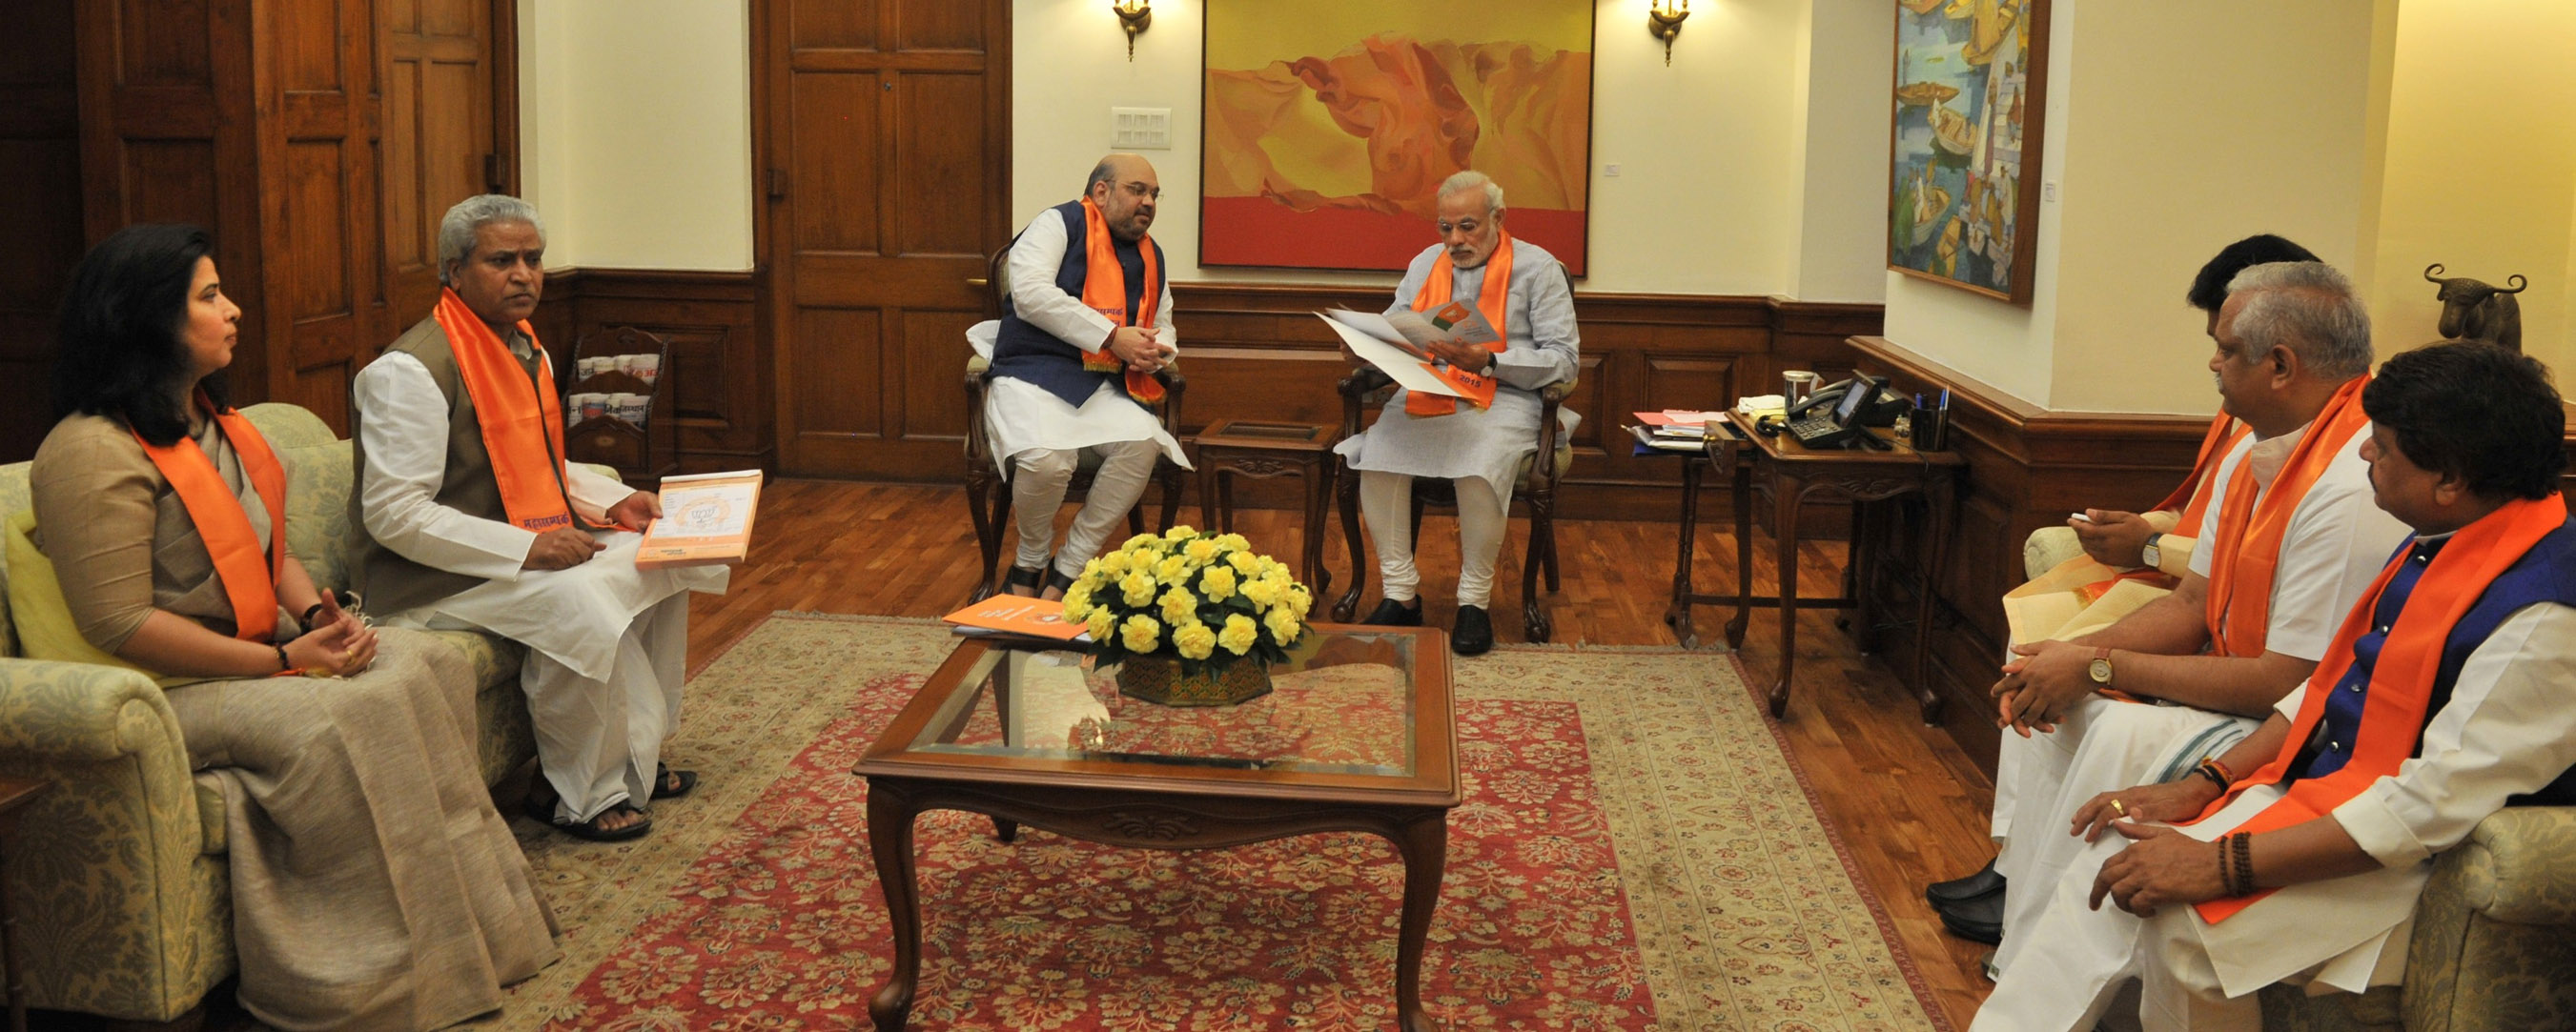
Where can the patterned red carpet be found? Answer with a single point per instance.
(1634, 853)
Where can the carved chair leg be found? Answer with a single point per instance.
(1171, 480)
(1346, 495)
(1545, 527)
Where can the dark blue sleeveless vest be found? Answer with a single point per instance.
(1025, 352)
(2547, 573)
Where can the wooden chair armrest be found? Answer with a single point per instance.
(1174, 387)
(978, 385)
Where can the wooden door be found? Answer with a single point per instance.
(40, 202)
(883, 130)
(316, 188)
(450, 129)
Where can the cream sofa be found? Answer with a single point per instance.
(116, 875)
(2494, 947)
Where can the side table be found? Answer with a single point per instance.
(1797, 472)
(15, 794)
(1263, 450)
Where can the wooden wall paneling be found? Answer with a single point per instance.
(40, 202)
(449, 108)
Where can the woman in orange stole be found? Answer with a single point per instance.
(373, 885)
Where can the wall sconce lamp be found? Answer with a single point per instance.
(1135, 15)
(1664, 20)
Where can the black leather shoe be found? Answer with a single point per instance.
(1977, 920)
(1391, 613)
(1960, 890)
(1474, 633)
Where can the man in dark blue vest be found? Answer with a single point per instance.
(2449, 693)
(1087, 324)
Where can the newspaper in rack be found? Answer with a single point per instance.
(706, 520)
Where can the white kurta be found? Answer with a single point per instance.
(1021, 415)
(1540, 348)
(576, 622)
(2336, 543)
(2509, 729)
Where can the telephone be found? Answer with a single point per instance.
(1837, 413)
(1881, 411)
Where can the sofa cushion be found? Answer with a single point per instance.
(318, 481)
(37, 603)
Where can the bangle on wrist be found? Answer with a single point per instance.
(308, 614)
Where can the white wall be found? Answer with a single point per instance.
(1841, 247)
(2166, 141)
(636, 131)
(1708, 196)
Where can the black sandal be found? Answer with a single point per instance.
(542, 811)
(663, 776)
(1059, 581)
(1030, 577)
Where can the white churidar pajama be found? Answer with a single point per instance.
(607, 643)
(2336, 543)
(1036, 436)
(2507, 730)
(1541, 346)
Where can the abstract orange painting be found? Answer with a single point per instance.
(1330, 126)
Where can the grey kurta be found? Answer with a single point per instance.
(373, 885)
(1540, 346)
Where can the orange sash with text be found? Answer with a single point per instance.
(2247, 548)
(522, 423)
(2401, 684)
(1104, 290)
(250, 578)
(1493, 299)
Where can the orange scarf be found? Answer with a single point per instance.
(1104, 290)
(2190, 499)
(1493, 299)
(523, 434)
(2247, 549)
(250, 579)
(2401, 684)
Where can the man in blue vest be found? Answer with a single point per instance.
(2298, 855)
(1087, 323)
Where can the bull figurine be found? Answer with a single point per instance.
(2478, 310)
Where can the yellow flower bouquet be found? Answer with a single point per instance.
(1190, 616)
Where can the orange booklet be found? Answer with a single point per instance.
(706, 520)
(1014, 614)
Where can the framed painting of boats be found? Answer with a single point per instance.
(1329, 127)
(1963, 168)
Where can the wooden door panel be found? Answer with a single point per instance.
(316, 245)
(168, 181)
(440, 89)
(834, 171)
(883, 127)
(832, 24)
(40, 202)
(838, 389)
(941, 181)
(163, 42)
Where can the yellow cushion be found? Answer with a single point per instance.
(37, 608)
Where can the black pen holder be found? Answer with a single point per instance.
(1930, 429)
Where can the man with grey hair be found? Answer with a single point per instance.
(473, 520)
(1086, 324)
(1523, 292)
(2297, 540)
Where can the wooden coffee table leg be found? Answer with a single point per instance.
(1424, 843)
(890, 818)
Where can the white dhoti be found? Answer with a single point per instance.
(607, 651)
(2194, 975)
(2102, 745)
(1037, 441)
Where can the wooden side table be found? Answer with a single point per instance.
(1261, 451)
(15, 794)
(1796, 473)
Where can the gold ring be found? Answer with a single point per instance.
(2119, 809)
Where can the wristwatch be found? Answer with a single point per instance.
(2100, 668)
(2153, 555)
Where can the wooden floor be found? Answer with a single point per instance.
(1908, 803)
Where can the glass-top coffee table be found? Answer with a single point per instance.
(1357, 735)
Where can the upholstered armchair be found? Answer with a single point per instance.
(2494, 945)
(988, 485)
(116, 876)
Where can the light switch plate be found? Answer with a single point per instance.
(1135, 128)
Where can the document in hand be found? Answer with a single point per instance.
(1394, 344)
(706, 520)
(1014, 614)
